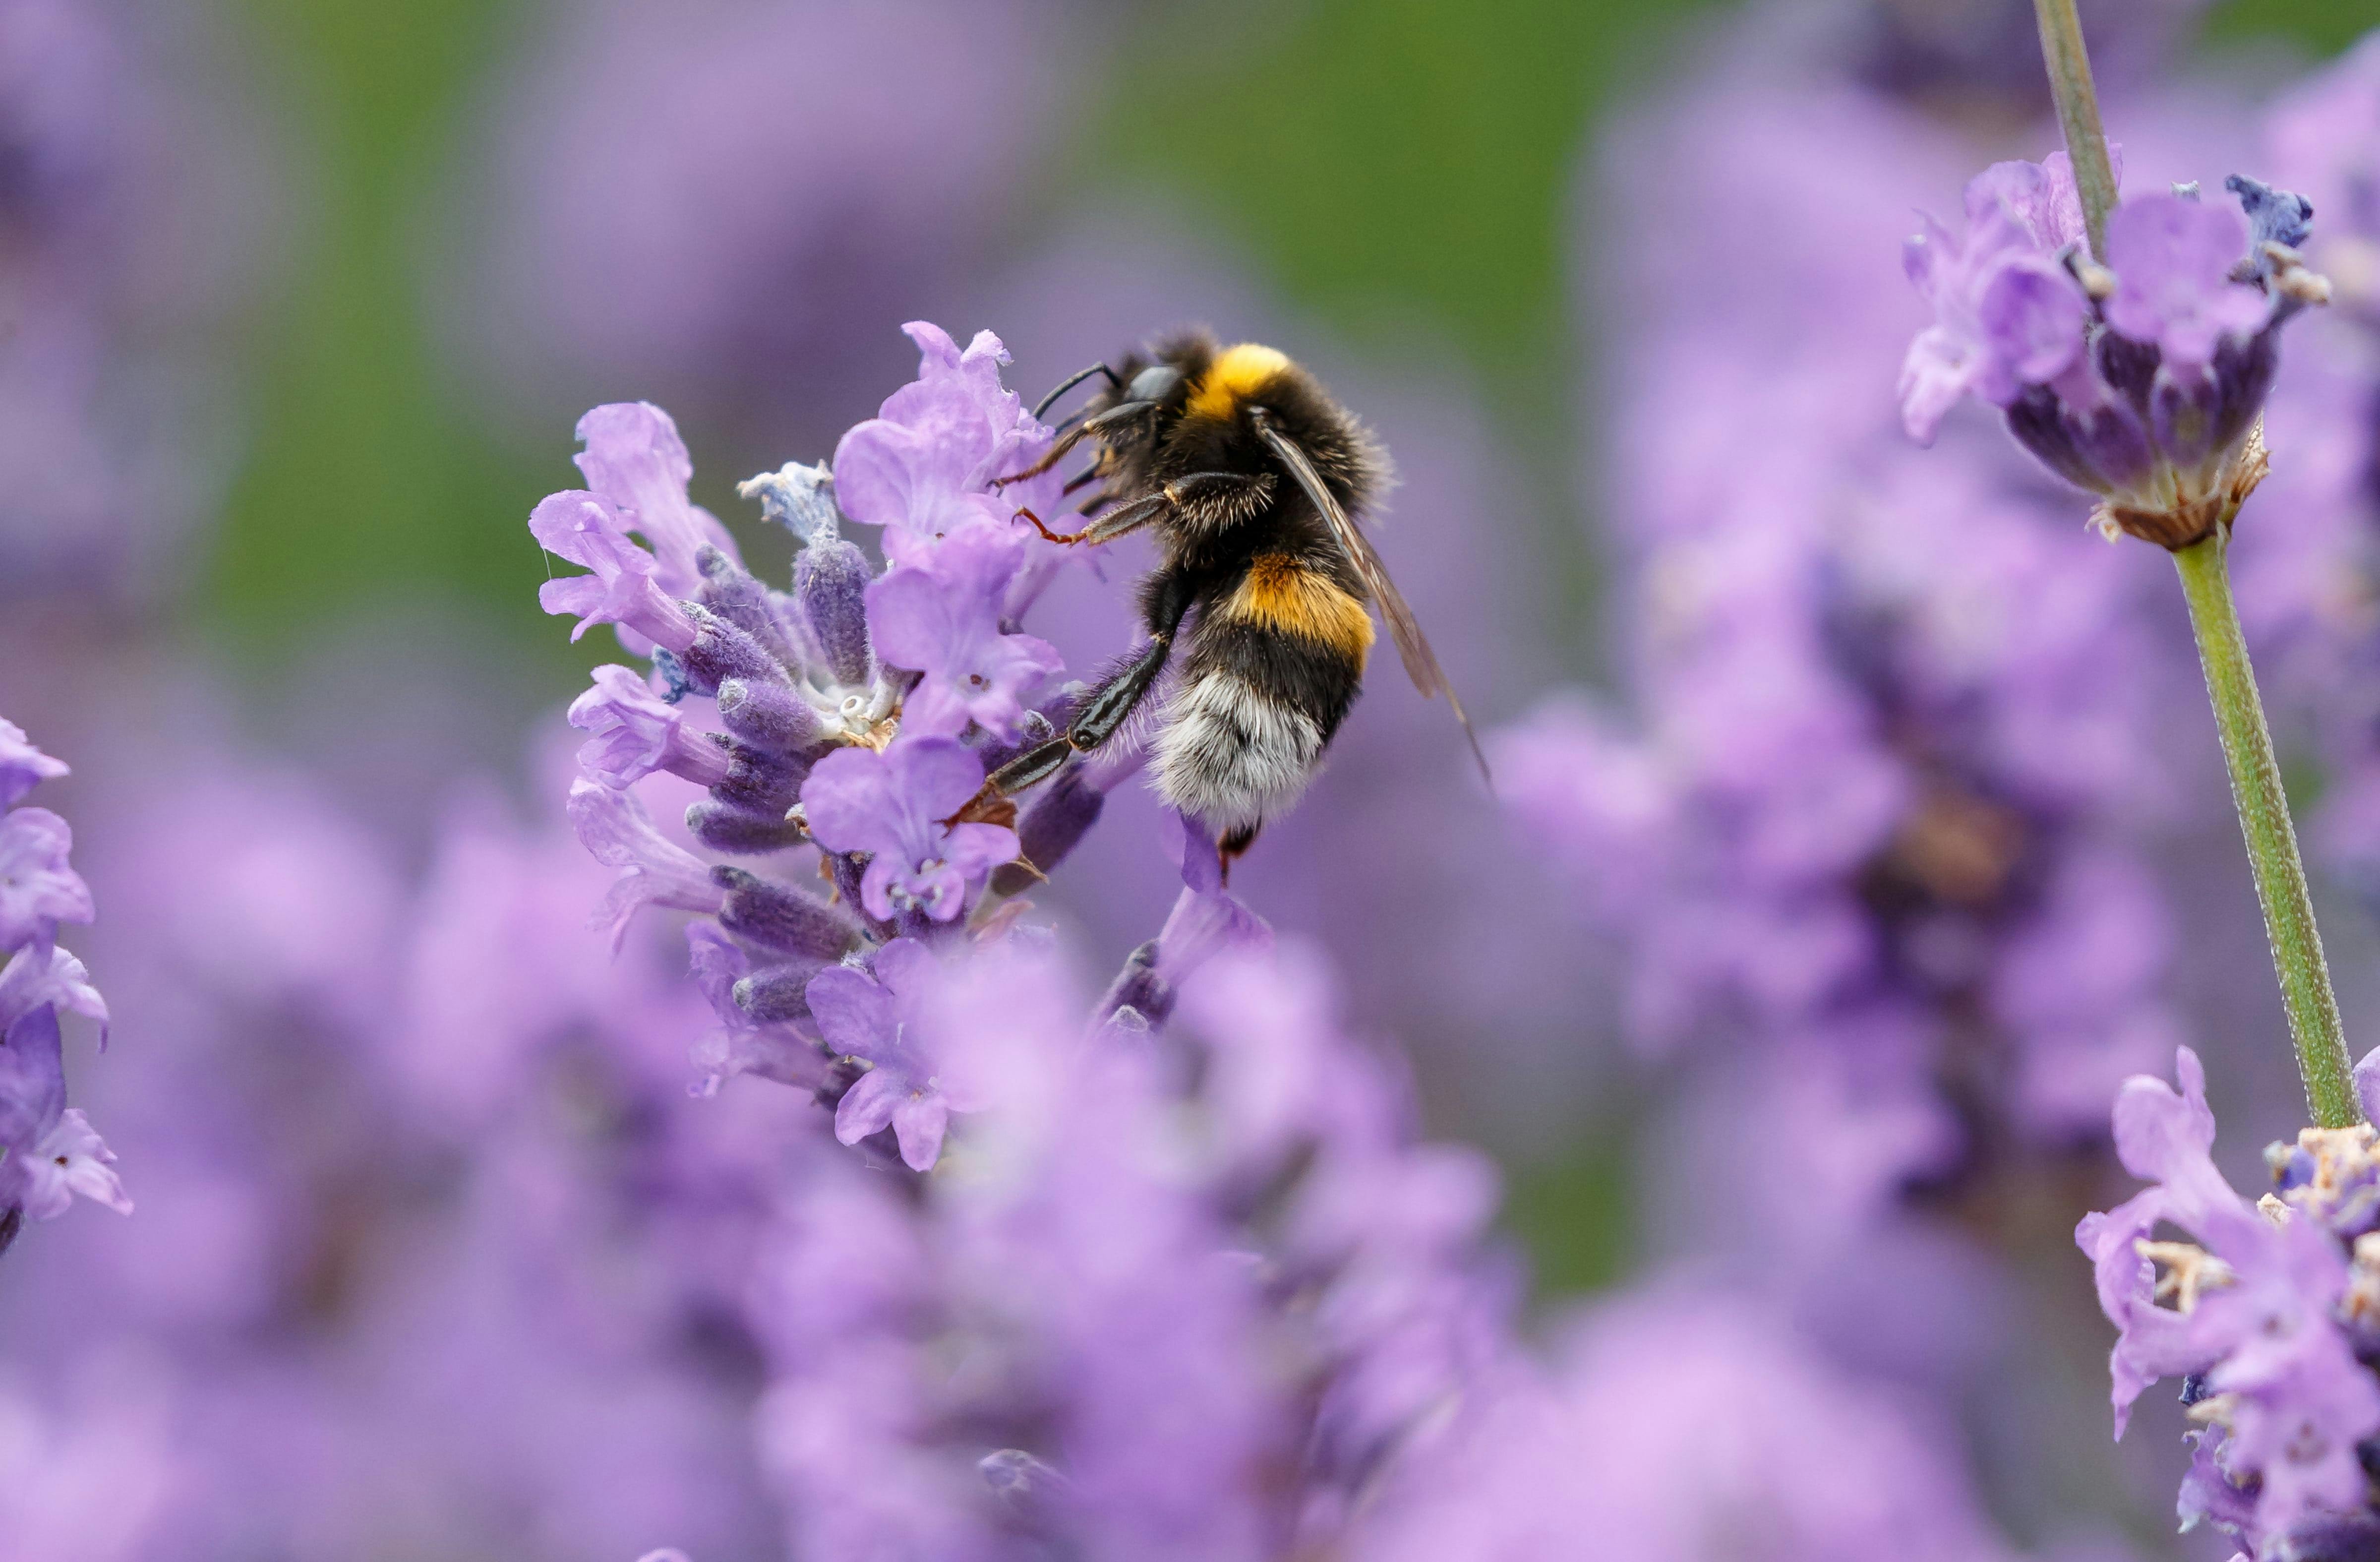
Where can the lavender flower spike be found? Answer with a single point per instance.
(2140, 375)
(48, 1151)
(857, 713)
(2269, 1311)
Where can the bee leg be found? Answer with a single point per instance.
(1109, 527)
(1071, 380)
(1124, 413)
(1103, 712)
(1210, 502)
(1081, 479)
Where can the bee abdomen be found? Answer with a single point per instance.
(1232, 754)
(1273, 668)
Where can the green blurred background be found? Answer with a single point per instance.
(1401, 170)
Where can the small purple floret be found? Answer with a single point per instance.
(22, 766)
(892, 806)
(878, 1018)
(637, 732)
(38, 888)
(941, 617)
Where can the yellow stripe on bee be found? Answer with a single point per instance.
(1293, 598)
(1232, 378)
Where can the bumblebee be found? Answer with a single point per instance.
(1251, 476)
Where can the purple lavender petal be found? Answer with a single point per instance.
(59, 981)
(638, 732)
(614, 827)
(38, 889)
(635, 459)
(941, 618)
(588, 529)
(71, 1159)
(2173, 260)
(22, 766)
(867, 1106)
(892, 805)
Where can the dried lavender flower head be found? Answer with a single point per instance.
(2140, 375)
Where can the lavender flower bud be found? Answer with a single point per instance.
(735, 596)
(760, 782)
(783, 917)
(1138, 987)
(780, 993)
(725, 827)
(720, 651)
(771, 718)
(830, 579)
(831, 576)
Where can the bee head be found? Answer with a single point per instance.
(1156, 383)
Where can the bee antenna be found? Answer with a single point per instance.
(1071, 380)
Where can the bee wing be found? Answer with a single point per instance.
(1413, 646)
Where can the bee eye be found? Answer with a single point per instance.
(1153, 383)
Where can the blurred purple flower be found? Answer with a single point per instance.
(38, 888)
(2323, 136)
(130, 227)
(1678, 1424)
(1091, 1269)
(2260, 1310)
(735, 246)
(1857, 822)
(48, 1152)
(90, 1476)
(877, 1017)
(22, 766)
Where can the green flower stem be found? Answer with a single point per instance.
(2078, 116)
(2272, 843)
